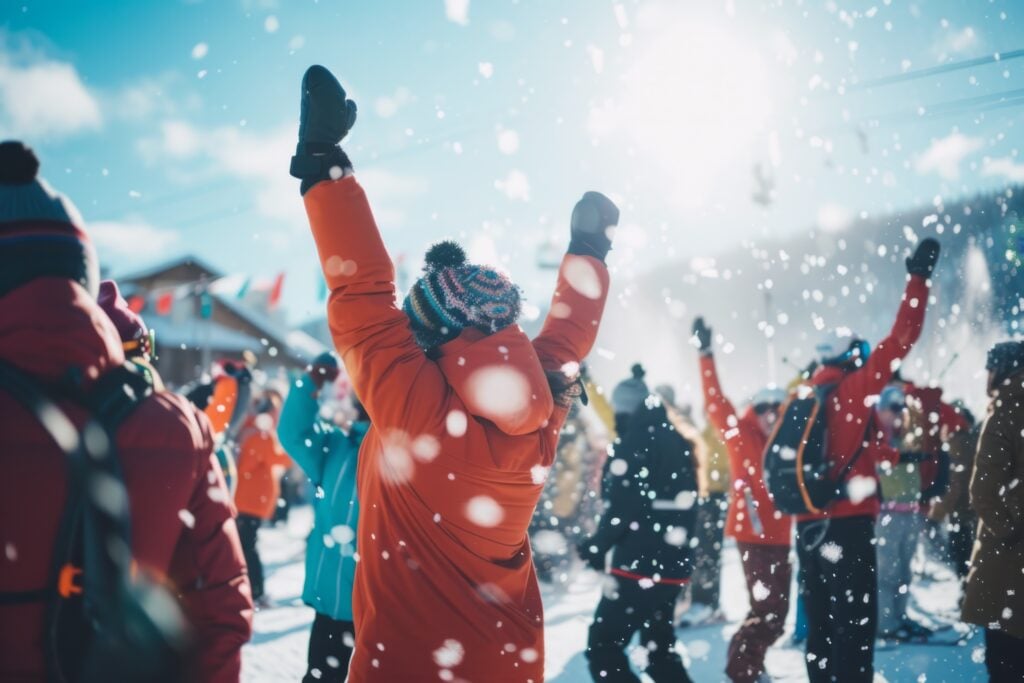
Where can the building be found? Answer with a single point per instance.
(200, 316)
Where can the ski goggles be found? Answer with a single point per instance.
(764, 408)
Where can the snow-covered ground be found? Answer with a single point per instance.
(278, 648)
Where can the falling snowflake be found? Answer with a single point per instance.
(832, 551)
(450, 654)
(484, 511)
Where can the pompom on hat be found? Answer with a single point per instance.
(41, 232)
(453, 295)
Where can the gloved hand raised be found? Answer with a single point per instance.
(324, 369)
(325, 118)
(703, 335)
(592, 216)
(924, 258)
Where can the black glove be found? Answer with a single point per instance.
(324, 369)
(325, 118)
(593, 559)
(591, 218)
(924, 259)
(240, 372)
(703, 335)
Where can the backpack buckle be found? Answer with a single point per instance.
(66, 586)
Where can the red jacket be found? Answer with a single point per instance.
(453, 466)
(850, 410)
(745, 442)
(48, 327)
(941, 421)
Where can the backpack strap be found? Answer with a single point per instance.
(110, 400)
(848, 467)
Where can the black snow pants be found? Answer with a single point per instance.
(839, 584)
(647, 610)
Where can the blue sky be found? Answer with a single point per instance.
(170, 123)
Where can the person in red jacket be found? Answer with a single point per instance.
(836, 546)
(182, 522)
(261, 463)
(466, 411)
(762, 533)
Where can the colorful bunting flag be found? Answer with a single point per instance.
(275, 292)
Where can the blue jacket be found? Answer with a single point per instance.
(328, 456)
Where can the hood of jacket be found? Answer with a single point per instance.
(53, 329)
(1013, 387)
(499, 378)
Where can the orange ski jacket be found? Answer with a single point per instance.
(453, 466)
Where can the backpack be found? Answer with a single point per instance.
(796, 463)
(105, 619)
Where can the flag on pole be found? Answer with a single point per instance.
(275, 292)
(244, 289)
(164, 303)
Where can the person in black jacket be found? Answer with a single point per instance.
(650, 486)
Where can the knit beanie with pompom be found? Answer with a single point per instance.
(453, 295)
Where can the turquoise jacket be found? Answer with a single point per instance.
(328, 456)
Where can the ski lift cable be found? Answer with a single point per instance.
(936, 70)
(1007, 98)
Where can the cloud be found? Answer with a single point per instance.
(955, 42)
(515, 186)
(44, 98)
(388, 105)
(457, 11)
(261, 158)
(945, 155)
(132, 238)
(1005, 167)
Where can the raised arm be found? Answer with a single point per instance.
(300, 430)
(571, 326)
(388, 369)
(870, 379)
(720, 410)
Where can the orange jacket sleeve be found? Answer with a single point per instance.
(570, 328)
(397, 384)
(720, 411)
(222, 403)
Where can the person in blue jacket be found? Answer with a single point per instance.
(328, 456)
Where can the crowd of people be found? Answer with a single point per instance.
(462, 438)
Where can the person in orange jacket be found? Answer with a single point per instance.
(261, 462)
(466, 411)
(762, 533)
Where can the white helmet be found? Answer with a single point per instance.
(840, 346)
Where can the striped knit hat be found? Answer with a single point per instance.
(453, 295)
(40, 230)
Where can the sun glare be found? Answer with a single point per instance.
(695, 101)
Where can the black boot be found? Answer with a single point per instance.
(325, 119)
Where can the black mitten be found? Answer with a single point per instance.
(325, 118)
